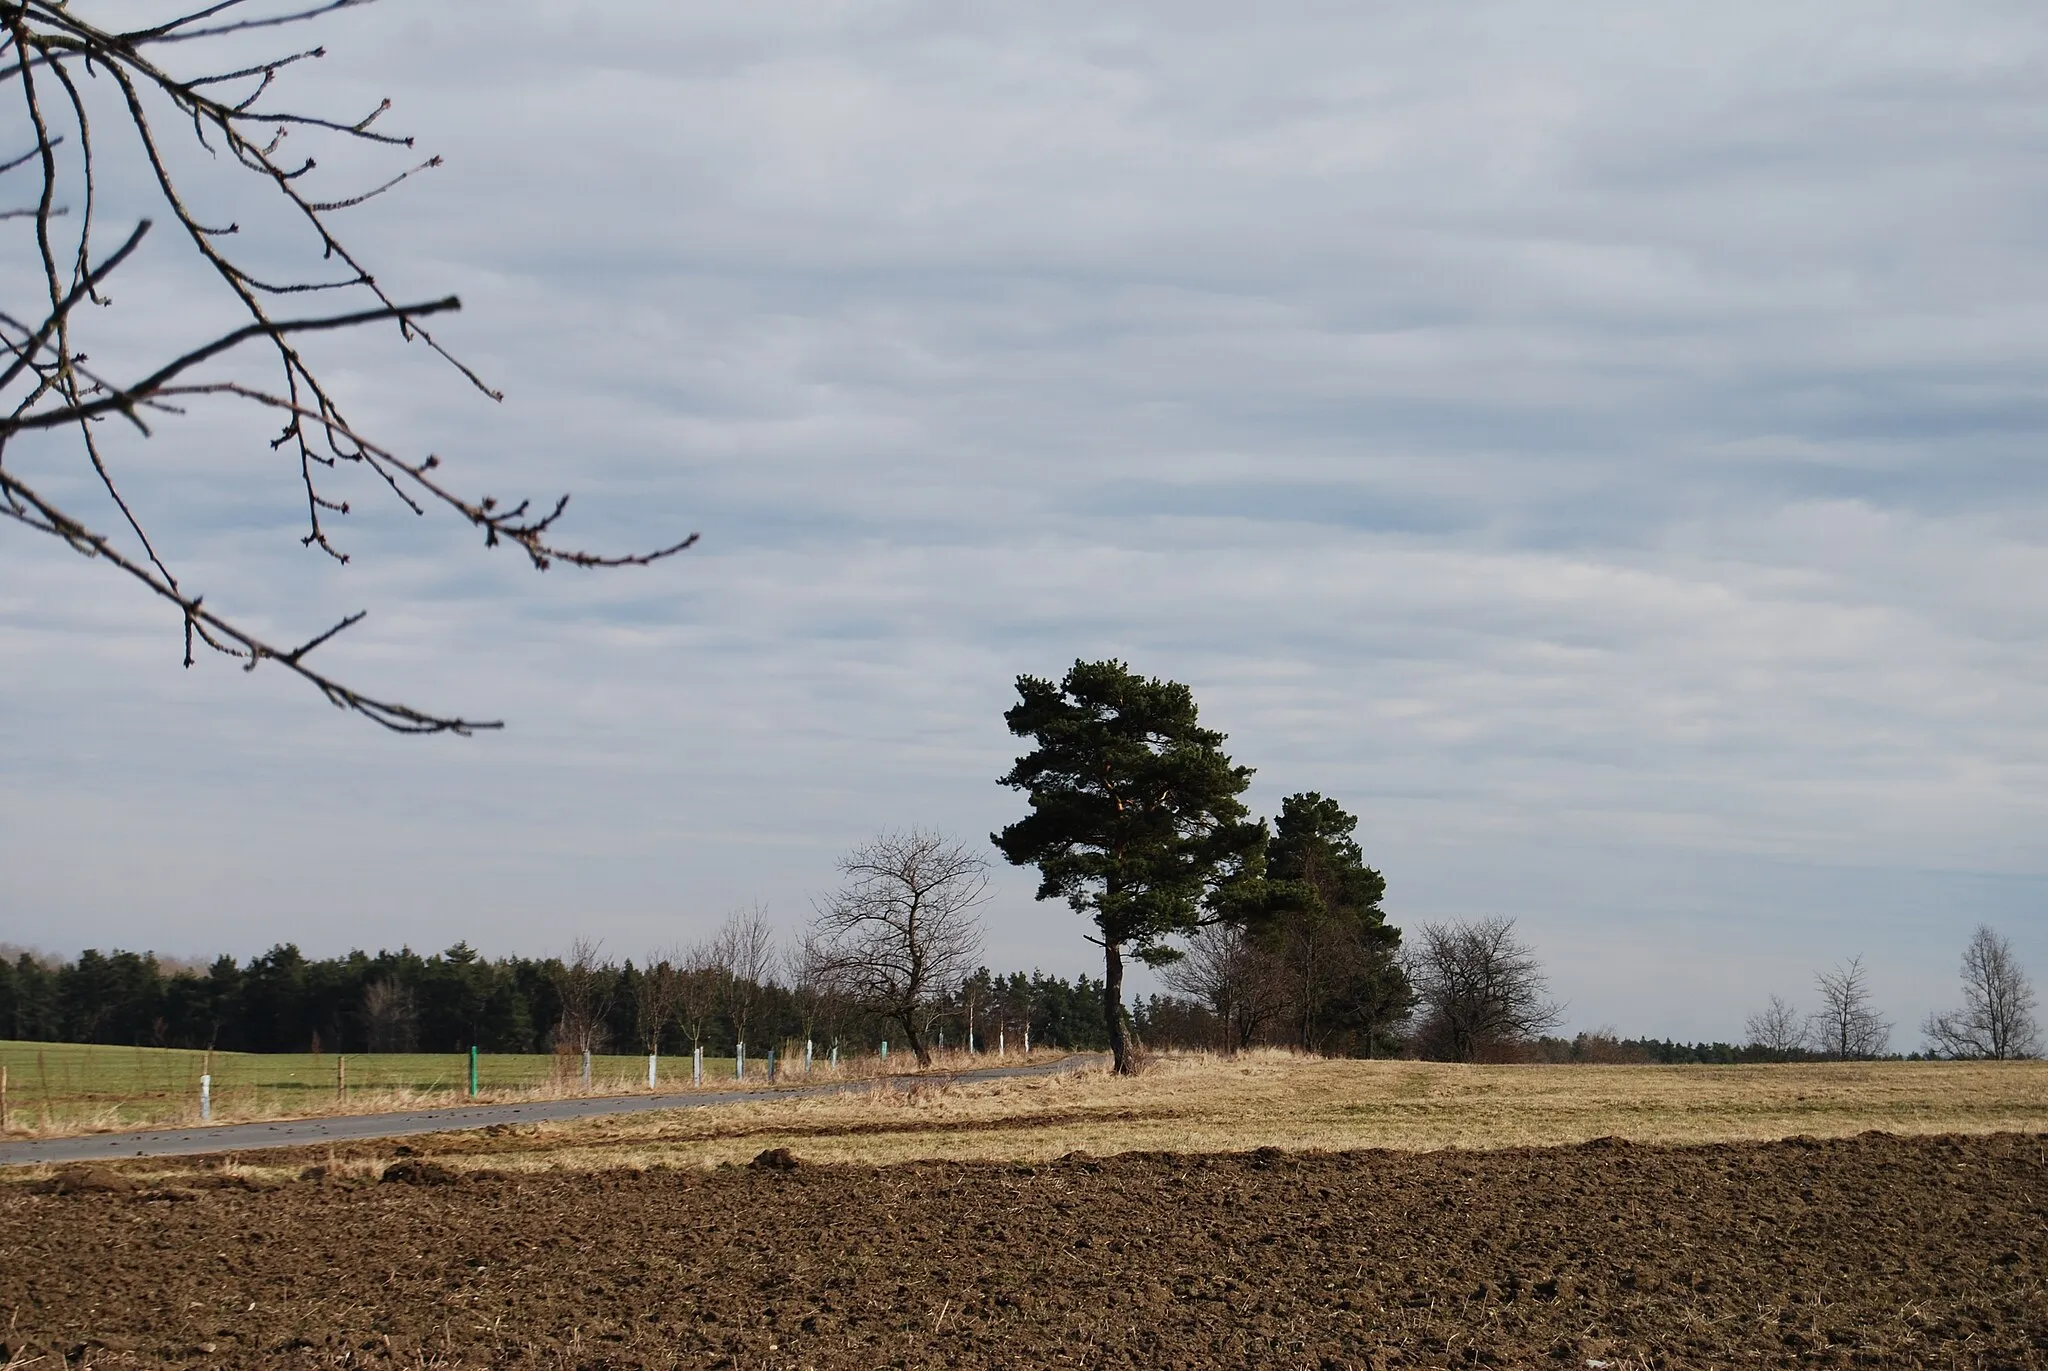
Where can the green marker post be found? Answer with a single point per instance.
(472, 1071)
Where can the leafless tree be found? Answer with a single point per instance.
(699, 992)
(1997, 1020)
(1230, 972)
(1481, 988)
(1845, 1026)
(900, 935)
(168, 103)
(656, 992)
(390, 1016)
(743, 949)
(1776, 1029)
(806, 973)
(584, 983)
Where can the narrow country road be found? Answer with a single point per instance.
(248, 1137)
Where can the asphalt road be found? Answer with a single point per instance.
(249, 1137)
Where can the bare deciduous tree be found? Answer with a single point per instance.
(1845, 1026)
(84, 89)
(1481, 989)
(1230, 972)
(390, 1016)
(900, 935)
(584, 983)
(1776, 1029)
(1997, 1020)
(806, 974)
(743, 949)
(656, 992)
(699, 992)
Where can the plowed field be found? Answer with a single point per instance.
(1864, 1251)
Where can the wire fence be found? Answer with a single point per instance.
(57, 1089)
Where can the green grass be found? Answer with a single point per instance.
(63, 1086)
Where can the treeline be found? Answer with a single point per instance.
(1173, 1021)
(1605, 1049)
(284, 1001)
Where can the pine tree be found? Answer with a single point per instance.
(1135, 817)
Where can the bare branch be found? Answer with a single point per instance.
(127, 397)
(36, 340)
(46, 384)
(163, 33)
(24, 506)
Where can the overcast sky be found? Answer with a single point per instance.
(1598, 444)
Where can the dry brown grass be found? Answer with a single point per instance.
(1202, 1104)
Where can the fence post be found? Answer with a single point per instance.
(340, 1077)
(472, 1071)
(650, 1071)
(835, 1055)
(3, 1099)
(739, 1061)
(885, 1052)
(205, 1097)
(3, 1078)
(1027, 1040)
(586, 1068)
(1001, 1035)
(697, 1065)
(771, 1066)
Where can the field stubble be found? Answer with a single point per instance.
(1269, 1099)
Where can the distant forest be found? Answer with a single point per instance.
(284, 1001)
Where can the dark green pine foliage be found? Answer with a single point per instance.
(1319, 913)
(1135, 818)
(29, 1000)
(1057, 1013)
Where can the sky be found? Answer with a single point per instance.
(1599, 444)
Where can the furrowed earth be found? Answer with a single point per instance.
(1872, 1250)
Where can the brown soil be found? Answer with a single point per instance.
(1867, 1251)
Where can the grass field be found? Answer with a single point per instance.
(59, 1088)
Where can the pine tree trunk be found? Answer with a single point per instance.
(1113, 1007)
